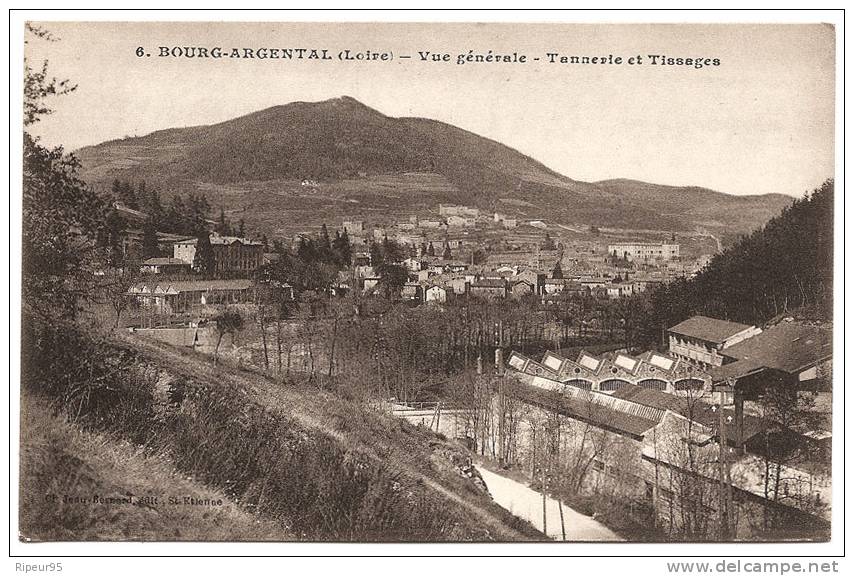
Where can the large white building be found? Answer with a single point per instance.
(644, 251)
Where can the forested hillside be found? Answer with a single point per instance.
(784, 267)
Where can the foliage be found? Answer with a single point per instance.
(548, 242)
(392, 279)
(58, 458)
(150, 243)
(479, 257)
(783, 266)
(187, 215)
(38, 85)
(341, 250)
(124, 192)
(204, 261)
(63, 222)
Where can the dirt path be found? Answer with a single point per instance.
(527, 504)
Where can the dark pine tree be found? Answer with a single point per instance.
(150, 245)
(548, 243)
(115, 230)
(306, 250)
(204, 262)
(341, 249)
(446, 252)
(324, 246)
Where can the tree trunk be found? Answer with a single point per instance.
(332, 347)
(264, 338)
(216, 350)
(278, 347)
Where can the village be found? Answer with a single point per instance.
(459, 253)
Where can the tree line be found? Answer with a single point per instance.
(783, 267)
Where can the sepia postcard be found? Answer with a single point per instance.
(387, 282)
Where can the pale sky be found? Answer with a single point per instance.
(760, 122)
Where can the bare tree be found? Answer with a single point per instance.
(228, 321)
(116, 286)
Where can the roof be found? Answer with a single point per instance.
(489, 283)
(789, 347)
(193, 286)
(601, 410)
(708, 329)
(698, 410)
(165, 262)
(198, 285)
(216, 239)
(651, 397)
(644, 244)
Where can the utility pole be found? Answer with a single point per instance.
(499, 367)
(558, 466)
(543, 475)
(724, 485)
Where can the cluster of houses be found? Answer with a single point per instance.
(518, 261)
(438, 277)
(706, 387)
(453, 227)
(432, 279)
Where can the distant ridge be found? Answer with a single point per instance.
(341, 140)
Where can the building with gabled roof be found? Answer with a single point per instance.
(790, 347)
(232, 255)
(436, 294)
(164, 266)
(701, 339)
(489, 288)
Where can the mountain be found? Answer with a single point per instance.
(359, 161)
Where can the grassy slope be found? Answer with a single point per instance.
(417, 453)
(59, 459)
